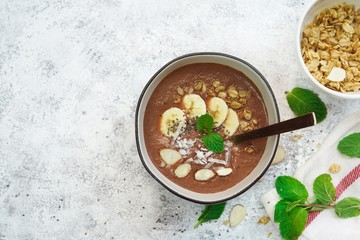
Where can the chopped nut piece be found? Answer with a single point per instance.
(211, 93)
(216, 83)
(222, 94)
(233, 93)
(243, 125)
(250, 149)
(264, 220)
(180, 91)
(254, 121)
(243, 101)
(242, 94)
(186, 89)
(235, 105)
(191, 90)
(203, 88)
(177, 100)
(219, 89)
(247, 114)
(334, 168)
(198, 86)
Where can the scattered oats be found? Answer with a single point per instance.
(295, 138)
(334, 168)
(264, 220)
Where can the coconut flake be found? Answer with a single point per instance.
(198, 161)
(177, 132)
(214, 160)
(208, 154)
(337, 74)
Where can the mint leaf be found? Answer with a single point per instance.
(214, 142)
(348, 207)
(294, 224)
(205, 123)
(210, 212)
(302, 101)
(292, 205)
(280, 210)
(324, 189)
(291, 189)
(350, 145)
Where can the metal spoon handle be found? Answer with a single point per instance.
(277, 128)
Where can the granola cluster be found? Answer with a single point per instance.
(331, 42)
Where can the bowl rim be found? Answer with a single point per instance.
(219, 54)
(302, 63)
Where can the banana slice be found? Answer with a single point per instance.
(173, 121)
(193, 105)
(218, 109)
(231, 123)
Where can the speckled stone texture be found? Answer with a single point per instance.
(70, 76)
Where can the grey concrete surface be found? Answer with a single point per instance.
(70, 76)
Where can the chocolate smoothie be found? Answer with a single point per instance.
(184, 92)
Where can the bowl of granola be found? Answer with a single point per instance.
(328, 46)
(186, 116)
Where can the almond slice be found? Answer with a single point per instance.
(222, 171)
(279, 155)
(204, 174)
(237, 214)
(182, 170)
(170, 156)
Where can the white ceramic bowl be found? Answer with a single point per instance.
(272, 111)
(312, 10)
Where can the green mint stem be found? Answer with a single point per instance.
(317, 205)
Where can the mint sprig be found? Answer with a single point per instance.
(302, 101)
(292, 211)
(205, 123)
(210, 212)
(350, 145)
(212, 141)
